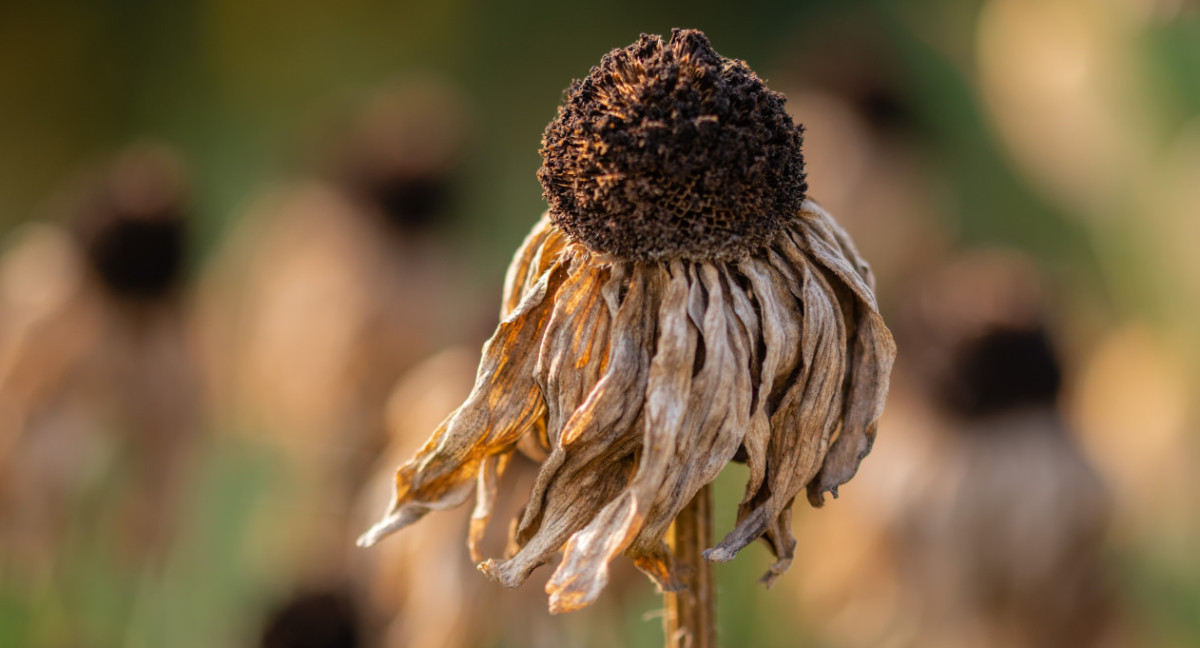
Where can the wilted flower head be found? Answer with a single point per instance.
(680, 305)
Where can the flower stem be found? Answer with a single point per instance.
(690, 615)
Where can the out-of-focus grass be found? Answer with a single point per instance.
(1163, 599)
(202, 592)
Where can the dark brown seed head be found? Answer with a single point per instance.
(1002, 369)
(669, 150)
(131, 224)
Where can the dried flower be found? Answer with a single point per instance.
(680, 305)
(999, 527)
(98, 372)
(308, 307)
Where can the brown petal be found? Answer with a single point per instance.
(870, 369)
(574, 347)
(577, 497)
(781, 352)
(592, 460)
(804, 420)
(717, 417)
(816, 237)
(490, 471)
(834, 233)
(871, 353)
(583, 571)
(502, 406)
(540, 248)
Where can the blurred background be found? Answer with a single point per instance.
(250, 250)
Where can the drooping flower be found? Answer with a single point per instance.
(680, 306)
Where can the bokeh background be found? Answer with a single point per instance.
(188, 444)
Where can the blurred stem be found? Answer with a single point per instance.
(690, 615)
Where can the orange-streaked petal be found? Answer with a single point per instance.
(503, 405)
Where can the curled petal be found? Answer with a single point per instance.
(592, 460)
(503, 405)
(540, 248)
(583, 571)
(636, 382)
(816, 243)
(717, 417)
(780, 311)
(573, 352)
(490, 471)
(870, 354)
(832, 232)
(870, 369)
(803, 421)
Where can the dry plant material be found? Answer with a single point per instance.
(681, 304)
(97, 367)
(307, 310)
(1001, 539)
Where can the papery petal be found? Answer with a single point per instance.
(490, 471)
(804, 419)
(816, 238)
(574, 347)
(780, 311)
(583, 571)
(870, 369)
(540, 248)
(871, 352)
(503, 405)
(592, 459)
(835, 234)
(578, 497)
(717, 418)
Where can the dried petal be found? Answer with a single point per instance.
(717, 418)
(584, 568)
(636, 382)
(503, 405)
(540, 248)
(490, 471)
(592, 458)
(803, 421)
(574, 347)
(871, 355)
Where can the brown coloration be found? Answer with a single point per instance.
(423, 592)
(313, 267)
(1004, 540)
(319, 619)
(99, 371)
(668, 150)
(1003, 369)
(638, 381)
(987, 533)
(689, 619)
(983, 524)
(402, 155)
(131, 224)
